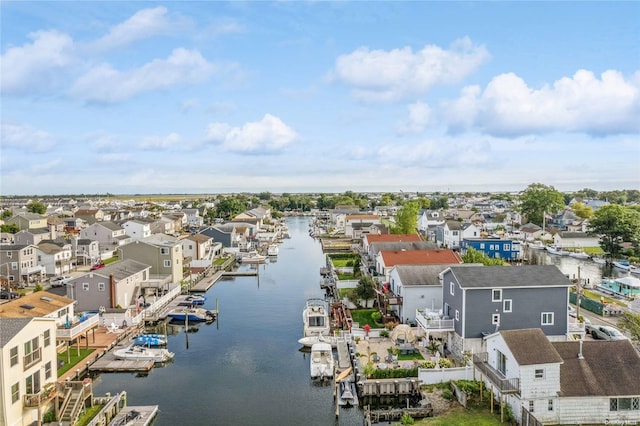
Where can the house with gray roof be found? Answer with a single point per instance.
(561, 382)
(163, 254)
(481, 300)
(109, 234)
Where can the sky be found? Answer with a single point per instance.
(289, 96)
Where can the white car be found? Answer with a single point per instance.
(60, 281)
(606, 332)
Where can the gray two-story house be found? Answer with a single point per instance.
(482, 300)
(163, 253)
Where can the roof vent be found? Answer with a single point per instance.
(46, 299)
(580, 356)
(26, 307)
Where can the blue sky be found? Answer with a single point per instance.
(214, 97)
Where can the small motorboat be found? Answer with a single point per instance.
(321, 362)
(315, 318)
(558, 251)
(579, 254)
(309, 341)
(273, 250)
(599, 260)
(622, 264)
(195, 299)
(192, 315)
(252, 257)
(141, 353)
(150, 340)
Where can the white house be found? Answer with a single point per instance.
(453, 232)
(55, 257)
(137, 229)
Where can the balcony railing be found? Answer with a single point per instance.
(431, 321)
(76, 329)
(480, 360)
(40, 398)
(32, 358)
(576, 327)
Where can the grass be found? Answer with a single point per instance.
(343, 276)
(363, 316)
(342, 263)
(597, 296)
(88, 415)
(460, 416)
(415, 355)
(74, 359)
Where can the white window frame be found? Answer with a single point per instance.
(546, 318)
(538, 373)
(167, 263)
(101, 287)
(47, 338)
(495, 319)
(457, 315)
(493, 294)
(550, 405)
(15, 392)
(451, 288)
(507, 305)
(85, 286)
(531, 405)
(13, 357)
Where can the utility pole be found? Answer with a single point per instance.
(578, 295)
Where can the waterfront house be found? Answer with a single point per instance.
(577, 240)
(28, 367)
(482, 300)
(530, 232)
(494, 248)
(224, 233)
(386, 260)
(571, 382)
(451, 234)
(19, 264)
(117, 285)
(200, 247)
(369, 239)
(356, 225)
(163, 253)
(137, 229)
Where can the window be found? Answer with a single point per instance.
(547, 318)
(47, 338)
(506, 305)
(495, 319)
(167, 264)
(624, 404)
(531, 406)
(451, 288)
(539, 373)
(481, 246)
(32, 383)
(15, 392)
(507, 247)
(164, 250)
(9, 254)
(13, 356)
(550, 405)
(14, 266)
(457, 315)
(85, 286)
(501, 363)
(47, 370)
(101, 287)
(32, 353)
(496, 295)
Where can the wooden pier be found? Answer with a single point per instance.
(141, 415)
(251, 273)
(206, 283)
(108, 363)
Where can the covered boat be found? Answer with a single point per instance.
(141, 353)
(191, 315)
(315, 318)
(321, 362)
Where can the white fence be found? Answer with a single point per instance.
(429, 376)
(132, 317)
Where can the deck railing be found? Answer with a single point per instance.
(481, 361)
(431, 322)
(76, 329)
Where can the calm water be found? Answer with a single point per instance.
(247, 368)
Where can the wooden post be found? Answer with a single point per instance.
(491, 401)
(481, 389)
(501, 408)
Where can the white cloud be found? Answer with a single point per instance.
(143, 24)
(106, 84)
(156, 143)
(25, 138)
(379, 75)
(267, 135)
(582, 103)
(33, 66)
(445, 153)
(420, 117)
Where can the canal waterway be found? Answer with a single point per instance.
(247, 367)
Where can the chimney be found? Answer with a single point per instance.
(52, 231)
(112, 289)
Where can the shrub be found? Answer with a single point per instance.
(384, 333)
(49, 417)
(427, 364)
(406, 419)
(376, 316)
(447, 394)
(444, 363)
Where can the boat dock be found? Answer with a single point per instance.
(251, 273)
(179, 302)
(141, 415)
(108, 363)
(206, 283)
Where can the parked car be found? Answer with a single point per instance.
(606, 332)
(572, 311)
(7, 294)
(60, 281)
(588, 326)
(97, 266)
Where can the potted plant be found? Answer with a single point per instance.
(367, 329)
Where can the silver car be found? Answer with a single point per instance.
(606, 332)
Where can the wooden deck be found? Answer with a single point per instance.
(206, 283)
(141, 415)
(109, 364)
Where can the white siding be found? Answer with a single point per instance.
(593, 410)
(547, 387)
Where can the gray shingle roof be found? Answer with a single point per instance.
(530, 346)
(411, 275)
(10, 327)
(121, 269)
(510, 276)
(609, 368)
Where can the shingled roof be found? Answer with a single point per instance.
(530, 346)
(10, 327)
(608, 368)
(420, 257)
(511, 276)
(38, 304)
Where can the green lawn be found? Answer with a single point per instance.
(597, 296)
(342, 263)
(342, 276)
(460, 416)
(88, 415)
(363, 316)
(74, 359)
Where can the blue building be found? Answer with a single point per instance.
(494, 247)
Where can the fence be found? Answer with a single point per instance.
(587, 304)
(430, 376)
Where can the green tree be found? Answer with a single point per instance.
(229, 207)
(6, 214)
(582, 211)
(407, 219)
(615, 224)
(475, 256)
(366, 288)
(631, 323)
(11, 229)
(538, 199)
(37, 207)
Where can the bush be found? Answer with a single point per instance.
(49, 417)
(444, 363)
(406, 420)
(376, 316)
(447, 394)
(384, 333)
(428, 364)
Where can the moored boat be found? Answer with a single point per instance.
(252, 257)
(622, 264)
(555, 250)
(196, 299)
(191, 315)
(141, 353)
(309, 341)
(599, 260)
(321, 361)
(579, 254)
(273, 250)
(150, 340)
(315, 318)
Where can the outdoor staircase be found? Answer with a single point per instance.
(72, 404)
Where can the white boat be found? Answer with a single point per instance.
(553, 249)
(142, 353)
(622, 264)
(273, 250)
(579, 254)
(252, 257)
(599, 260)
(315, 318)
(321, 361)
(192, 314)
(309, 341)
